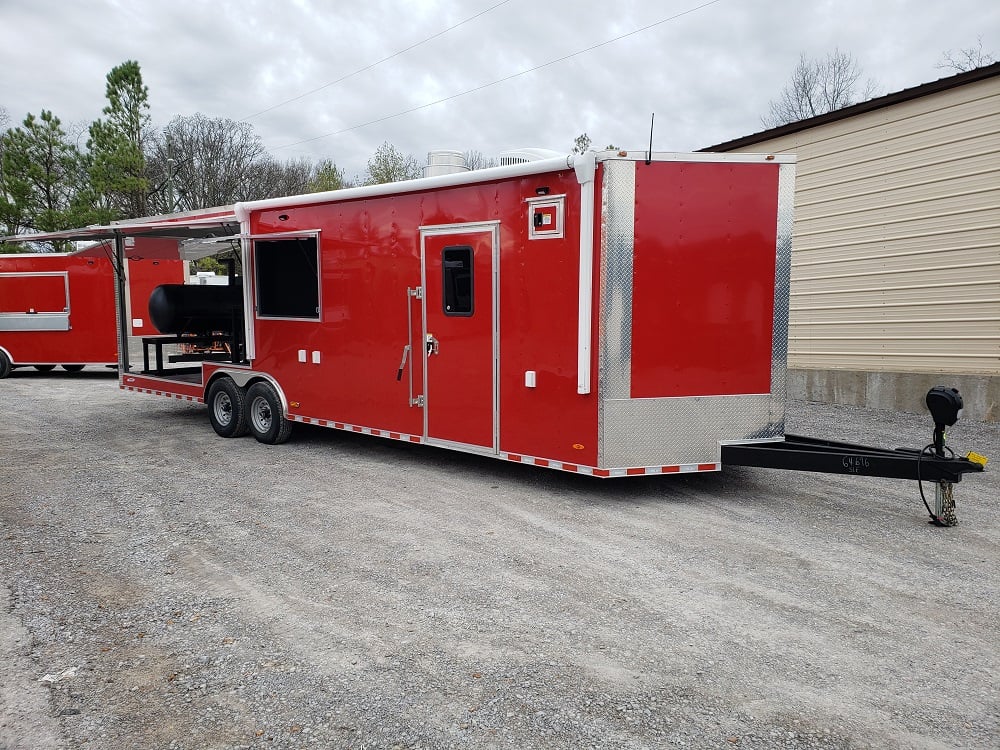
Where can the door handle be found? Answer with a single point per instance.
(402, 363)
(432, 344)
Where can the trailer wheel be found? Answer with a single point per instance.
(45, 368)
(5, 366)
(72, 368)
(227, 408)
(264, 414)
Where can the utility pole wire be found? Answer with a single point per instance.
(377, 62)
(502, 80)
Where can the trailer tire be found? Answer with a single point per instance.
(5, 365)
(265, 415)
(72, 368)
(45, 368)
(227, 408)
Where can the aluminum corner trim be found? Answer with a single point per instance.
(585, 166)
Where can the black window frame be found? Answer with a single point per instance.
(277, 268)
(449, 292)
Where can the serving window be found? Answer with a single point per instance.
(286, 277)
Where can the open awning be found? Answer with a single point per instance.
(216, 225)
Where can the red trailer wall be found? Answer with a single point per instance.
(370, 255)
(144, 275)
(703, 278)
(367, 261)
(539, 306)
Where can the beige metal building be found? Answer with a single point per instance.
(895, 281)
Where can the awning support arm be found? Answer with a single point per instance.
(121, 304)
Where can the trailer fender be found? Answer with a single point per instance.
(263, 402)
(245, 378)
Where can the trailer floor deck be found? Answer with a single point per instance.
(185, 375)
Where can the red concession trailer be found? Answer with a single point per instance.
(611, 314)
(59, 308)
(602, 314)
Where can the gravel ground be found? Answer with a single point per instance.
(161, 587)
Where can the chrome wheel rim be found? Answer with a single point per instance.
(223, 409)
(260, 414)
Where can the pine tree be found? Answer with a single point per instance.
(43, 179)
(118, 164)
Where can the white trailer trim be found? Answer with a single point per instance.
(243, 210)
(586, 169)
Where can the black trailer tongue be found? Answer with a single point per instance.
(934, 463)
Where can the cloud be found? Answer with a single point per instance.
(707, 75)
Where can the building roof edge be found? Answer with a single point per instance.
(897, 97)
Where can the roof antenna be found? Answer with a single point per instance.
(649, 154)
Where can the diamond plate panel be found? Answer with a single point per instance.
(782, 275)
(617, 246)
(670, 431)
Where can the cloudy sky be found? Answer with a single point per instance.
(336, 78)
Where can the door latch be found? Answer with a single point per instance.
(432, 344)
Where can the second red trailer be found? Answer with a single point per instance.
(59, 308)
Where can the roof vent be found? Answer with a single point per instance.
(524, 155)
(444, 162)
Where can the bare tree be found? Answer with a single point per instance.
(819, 86)
(477, 160)
(200, 162)
(966, 59)
(275, 179)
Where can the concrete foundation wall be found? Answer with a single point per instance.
(895, 391)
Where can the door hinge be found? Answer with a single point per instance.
(417, 292)
(418, 401)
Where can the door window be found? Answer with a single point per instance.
(456, 265)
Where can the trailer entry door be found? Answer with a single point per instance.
(459, 347)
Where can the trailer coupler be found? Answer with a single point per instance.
(933, 463)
